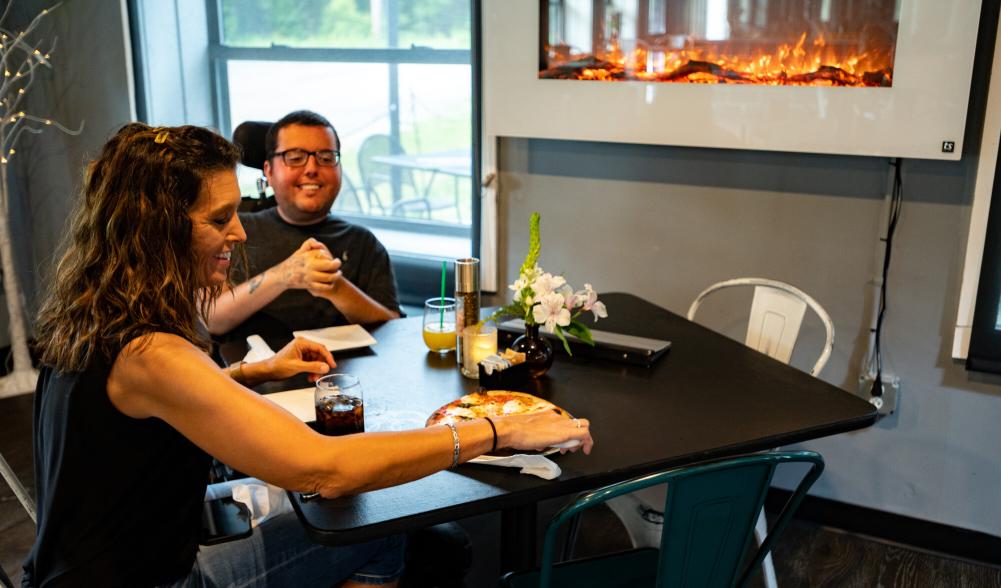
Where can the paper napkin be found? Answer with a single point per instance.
(259, 350)
(535, 465)
(298, 402)
(339, 338)
(263, 500)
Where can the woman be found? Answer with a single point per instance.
(129, 407)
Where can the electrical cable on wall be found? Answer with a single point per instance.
(896, 200)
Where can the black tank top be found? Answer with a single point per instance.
(119, 499)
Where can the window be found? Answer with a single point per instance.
(395, 77)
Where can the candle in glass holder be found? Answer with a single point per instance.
(478, 342)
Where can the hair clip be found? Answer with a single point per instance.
(161, 136)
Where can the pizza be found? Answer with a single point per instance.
(491, 403)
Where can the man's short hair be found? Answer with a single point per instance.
(306, 118)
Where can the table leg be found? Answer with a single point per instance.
(518, 537)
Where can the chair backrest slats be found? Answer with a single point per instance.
(776, 315)
(709, 513)
(773, 326)
(716, 512)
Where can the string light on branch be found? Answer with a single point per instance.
(21, 54)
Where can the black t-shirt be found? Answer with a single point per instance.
(364, 261)
(119, 499)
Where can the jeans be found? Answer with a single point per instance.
(280, 554)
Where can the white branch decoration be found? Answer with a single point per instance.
(19, 58)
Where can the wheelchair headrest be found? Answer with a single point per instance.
(249, 137)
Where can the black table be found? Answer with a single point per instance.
(709, 397)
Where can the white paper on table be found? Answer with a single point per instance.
(298, 402)
(535, 465)
(339, 338)
(259, 350)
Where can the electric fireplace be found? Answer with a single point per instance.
(727, 42)
(864, 77)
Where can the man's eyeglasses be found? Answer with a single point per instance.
(299, 157)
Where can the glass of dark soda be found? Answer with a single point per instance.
(340, 405)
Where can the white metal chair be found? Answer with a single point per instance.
(777, 312)
(22, 496)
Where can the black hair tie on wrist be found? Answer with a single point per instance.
(494, 429)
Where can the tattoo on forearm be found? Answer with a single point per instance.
(256, 282)
(295, 272)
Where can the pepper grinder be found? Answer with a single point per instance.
(467, 299)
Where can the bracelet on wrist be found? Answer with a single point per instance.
(455, 446)
(236, 372)
(493, 428)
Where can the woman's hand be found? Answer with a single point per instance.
(540, 430)
(299, 356)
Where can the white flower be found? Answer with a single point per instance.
(551, 311)
(570, 300)
(518, 285)
(588, 297)
(589, 301)
(598, 308)
(547, 283)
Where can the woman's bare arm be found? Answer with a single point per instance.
(171, 379)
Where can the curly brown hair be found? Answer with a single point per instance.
(128, 270)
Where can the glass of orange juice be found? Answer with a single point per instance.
(439, 324)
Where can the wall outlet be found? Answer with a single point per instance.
(887, 403)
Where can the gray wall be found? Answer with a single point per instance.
(665, 222)
(88, 83)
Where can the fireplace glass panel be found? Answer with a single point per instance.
(767, 42)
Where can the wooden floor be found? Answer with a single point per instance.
(806, 555)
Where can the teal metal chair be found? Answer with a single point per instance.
(710, 513)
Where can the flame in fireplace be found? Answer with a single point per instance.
(815, 63)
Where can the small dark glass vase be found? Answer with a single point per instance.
(538, 351)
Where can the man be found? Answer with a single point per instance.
(337, 272)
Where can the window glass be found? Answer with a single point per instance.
(428, 210)
(442, 24)
(353, 96)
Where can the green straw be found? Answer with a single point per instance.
(441, 309)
